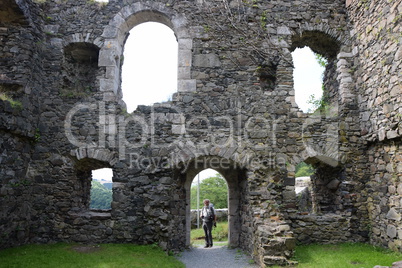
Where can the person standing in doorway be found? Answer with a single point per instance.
(208, 217)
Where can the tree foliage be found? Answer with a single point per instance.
(322, 61)
(304, 170)
(108, 185)
(322, 102)
(213, 188)
(101, 197)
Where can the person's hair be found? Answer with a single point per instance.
(205, 200)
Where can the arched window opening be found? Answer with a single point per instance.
(149, 71)
(309, 69)
(101, 189)
(308, 78)
(209, 184)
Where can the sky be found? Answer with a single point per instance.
(149, 73)
(103, 174)
(206, 173)
(307, 76)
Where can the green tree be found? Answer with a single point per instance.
(322, 102)
(101, 197)
(304, 170)
(322, 61)
(212, 188)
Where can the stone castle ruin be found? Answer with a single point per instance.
(62, 116)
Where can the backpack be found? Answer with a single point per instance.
(210, 214)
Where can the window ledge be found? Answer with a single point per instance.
(100, 214)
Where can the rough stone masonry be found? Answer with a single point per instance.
(62, 116)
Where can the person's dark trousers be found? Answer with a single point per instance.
(208, 233)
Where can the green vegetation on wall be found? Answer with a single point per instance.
(319, 103)
(15, 104)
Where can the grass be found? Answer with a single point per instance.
(72, 255)
(344, 255)
(219, 234)
(127, 255)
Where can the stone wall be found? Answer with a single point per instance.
(221, 214)
(20, 76)
(378, 59)
(327, 229)
(234, 112)
(384, 207)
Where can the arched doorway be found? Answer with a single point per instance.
(209, 184)
(235, 178)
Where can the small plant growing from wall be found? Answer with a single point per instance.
(318, 103)
(15, 104)
(322, 61)
(263, 19)
(37, 135)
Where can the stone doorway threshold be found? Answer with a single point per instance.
(218, 256)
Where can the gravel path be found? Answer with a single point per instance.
(215, 257)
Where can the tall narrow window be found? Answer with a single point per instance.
(101, 189)
(308, 78)
(149, 73)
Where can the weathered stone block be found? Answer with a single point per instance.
(334, 184)
(393, 215)
(206, 61)
(391, 231)
(186, 85)
(283, 30)
(391, 134)
(178, 129)
(290, 182)
(399, 189)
